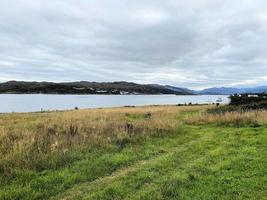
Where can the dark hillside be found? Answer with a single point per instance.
(84, 87)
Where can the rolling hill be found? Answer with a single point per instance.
(229, 90)
(122, 87)
(84, 87)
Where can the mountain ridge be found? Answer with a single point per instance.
(232, 90)
(118, 87)
(85, 87)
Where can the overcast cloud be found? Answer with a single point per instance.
(189, 43)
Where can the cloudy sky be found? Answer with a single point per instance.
(189, 43)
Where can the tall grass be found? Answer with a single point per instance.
(235, 118)
(39, 141)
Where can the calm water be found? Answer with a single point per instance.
(36, 102)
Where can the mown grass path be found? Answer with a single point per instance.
(203, 163)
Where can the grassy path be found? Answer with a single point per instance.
(207, 163)
(166, 152)
(133, 153)
(93, 165)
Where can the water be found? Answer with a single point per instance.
(38, 102)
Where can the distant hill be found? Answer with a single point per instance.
(122, 87)
(84, 87)
(180, 89)
(261, 89)
(229, 90)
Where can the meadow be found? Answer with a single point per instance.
(150, 152)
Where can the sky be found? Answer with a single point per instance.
(185, 43)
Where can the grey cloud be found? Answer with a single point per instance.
(186, 43)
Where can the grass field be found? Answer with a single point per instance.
(153, 152)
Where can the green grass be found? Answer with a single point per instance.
(216, 164)
(200, 161)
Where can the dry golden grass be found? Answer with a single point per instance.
(44, 140)
(32, 140)
(237, 119)
(43, 154)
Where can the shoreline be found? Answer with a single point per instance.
(115, 107)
